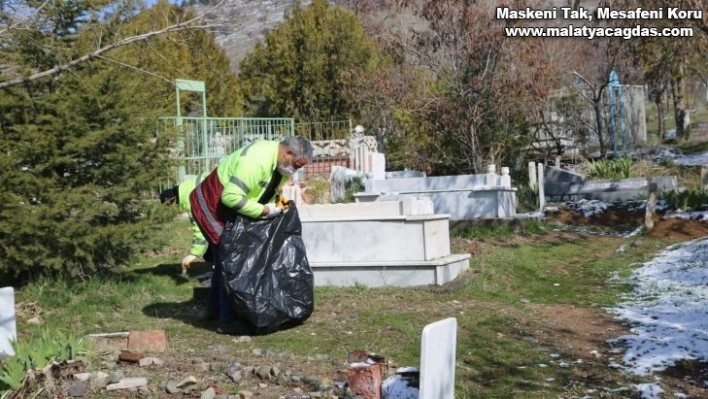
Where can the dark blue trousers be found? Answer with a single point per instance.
(219, 302)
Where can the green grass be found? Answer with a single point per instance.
(490, 302)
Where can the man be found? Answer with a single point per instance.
(179, 195)
(247, 183)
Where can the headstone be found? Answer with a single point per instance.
(558, 181)
(8, 327)
(437, 360)
(378, 166)
(704, 176)
(541, 189)
(532, 175)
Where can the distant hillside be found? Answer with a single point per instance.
(246, 22)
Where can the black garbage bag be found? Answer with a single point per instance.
(269, 280)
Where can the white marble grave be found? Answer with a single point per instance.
(463, 197)
(391, 243)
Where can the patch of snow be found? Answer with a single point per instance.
(667, 310)
(678, 157)
(639, 230)
(649, 390)
(699, 216)
(592, 207)
(692, 159)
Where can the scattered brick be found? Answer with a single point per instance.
(147, 341)
(130, 357)
(365, 380)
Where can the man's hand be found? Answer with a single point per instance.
(273, 211)
(187, 261)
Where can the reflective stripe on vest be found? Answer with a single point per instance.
(213, 223)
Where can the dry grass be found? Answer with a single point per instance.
(688, 177)
(317, 191)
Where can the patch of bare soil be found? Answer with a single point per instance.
(582, 333)
(665, 228)
(587, 329)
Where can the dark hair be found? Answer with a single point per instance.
(170, 196)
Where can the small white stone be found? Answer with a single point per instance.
(187, 381)
(127, 383)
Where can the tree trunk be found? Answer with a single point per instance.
(679, 98)
(600, 122)
(660, 115)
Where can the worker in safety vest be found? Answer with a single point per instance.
(247, 183)
(179, 195)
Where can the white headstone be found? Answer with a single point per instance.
(8, 329)
(541, 192)
(378, 166)
(437, 360)
(532, 175)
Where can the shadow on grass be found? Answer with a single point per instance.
(174, 271)
(188, 312)
(191, 312)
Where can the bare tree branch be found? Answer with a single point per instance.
(134, 68)
(186, 25)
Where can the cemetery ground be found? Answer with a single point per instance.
(530, 311)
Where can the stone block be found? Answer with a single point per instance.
(413, 206)
(109, 342)
(370, 210)
(390, 274)
(127, 383)
(147, 341)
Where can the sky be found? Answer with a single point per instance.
(151, 2)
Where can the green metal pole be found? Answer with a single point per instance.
(206, 168)
(180, 139)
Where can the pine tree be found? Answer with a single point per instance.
(80, 151)
(303, 66)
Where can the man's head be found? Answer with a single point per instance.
(294, 153)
